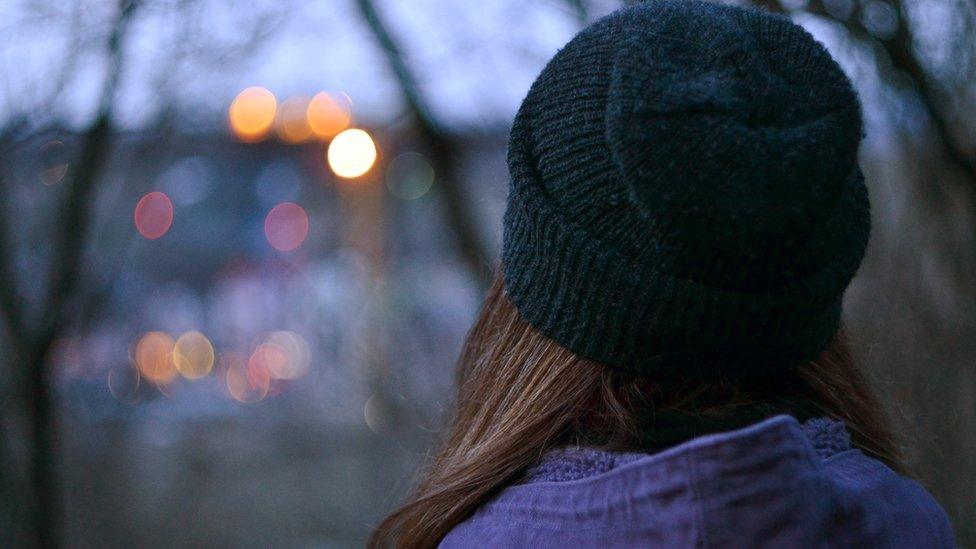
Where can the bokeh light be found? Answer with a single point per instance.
(53, 162)
(189, 180)
(277, 386)
(193, 355)
(260, 363)
(124, 383)
(286, 226)
(239, 384)
(153, 215)
(373, 414)
(286, 355)
(409, 176)
(352, 153)
(293, 122)
(252, 113)
(880, 18)
(328, 115)
(154, 357)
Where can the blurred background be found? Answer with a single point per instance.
(241, 244)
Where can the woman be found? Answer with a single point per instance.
(659, 361)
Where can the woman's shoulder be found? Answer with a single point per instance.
(797, 484)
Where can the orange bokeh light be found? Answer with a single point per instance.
(154, 357)
(153, 215)
(260, 364)
(286, 226)
(234, 367)
(293, 122)
(328, 115)
(252, 113)
(193, 355)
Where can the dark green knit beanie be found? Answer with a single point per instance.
(685, 194)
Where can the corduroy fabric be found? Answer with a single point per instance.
(685, 192)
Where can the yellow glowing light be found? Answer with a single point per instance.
(293, 122)
(252, 113)
(193, 355)
(327, 115)
(352, 153)
(154, 357)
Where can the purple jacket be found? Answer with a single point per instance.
(773, 484)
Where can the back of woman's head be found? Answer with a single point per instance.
(684, 215)
(521, 394)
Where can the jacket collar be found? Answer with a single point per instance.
(827, 437)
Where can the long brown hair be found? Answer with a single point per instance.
(521, 394)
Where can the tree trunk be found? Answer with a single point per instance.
(42, 431)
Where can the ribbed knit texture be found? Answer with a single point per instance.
(685, 194)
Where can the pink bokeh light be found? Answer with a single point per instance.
(286, 226)
(153, 215)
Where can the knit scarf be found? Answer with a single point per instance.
(662, 429)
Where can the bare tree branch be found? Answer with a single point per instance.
(69, 66)
(443, 152)
(9, 295)
(69, 239)
(579, 8)
(899, 50)
(76, 209)
(211, 54)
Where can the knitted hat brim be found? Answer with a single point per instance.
(646, 321)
